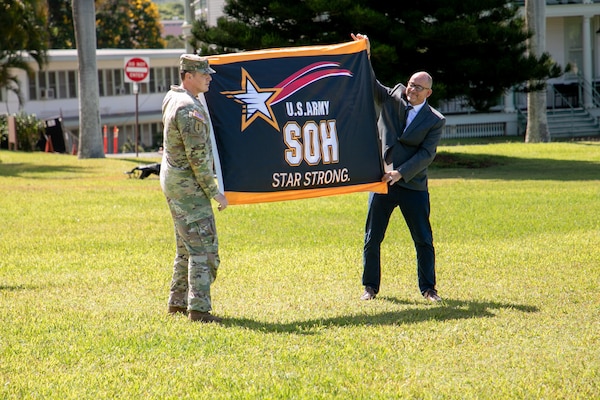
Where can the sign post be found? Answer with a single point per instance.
(115, 140)
(137, 70)
(105, 137)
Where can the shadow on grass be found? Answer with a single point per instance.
(449, 165)
(446, 311)
(18, 169)
(14, 288)
(140, 161)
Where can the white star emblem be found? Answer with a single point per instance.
(255, 100)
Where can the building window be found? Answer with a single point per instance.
(72, 84)
(175, 76)
(143, 88)
(101, 82)
(109, 82)
(48, 85)
(153, 79)
(157, 135)
(120, 88)
(41, 83)
(574, 43)
(62, 92)
(33, 85)
(161, 80)
(51, 88)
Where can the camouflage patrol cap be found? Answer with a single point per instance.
(193, 62)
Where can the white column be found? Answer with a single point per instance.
(509, 101)
(587, 63)
(186, 28)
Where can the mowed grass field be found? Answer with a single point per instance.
(85, 265)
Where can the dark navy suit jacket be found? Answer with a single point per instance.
(411, 151)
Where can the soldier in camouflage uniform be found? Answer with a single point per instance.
(187, 180)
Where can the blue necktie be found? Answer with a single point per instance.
(388, 156)
(408, 108)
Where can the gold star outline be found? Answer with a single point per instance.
(255, 101)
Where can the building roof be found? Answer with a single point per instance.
(108, 54)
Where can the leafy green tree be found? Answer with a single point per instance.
(172, 10)
(22, 33)
(147, 29)
(125, 24)
(60, 24)
(473, 48)
(29, 130)
(120, 24)
(174, 42)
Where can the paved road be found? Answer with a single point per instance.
(133, 155)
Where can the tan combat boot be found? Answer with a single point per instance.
(177, 310)
(203, 317)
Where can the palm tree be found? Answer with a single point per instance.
(537, 117)
(23, 34)
(8, 80)
(90, 134)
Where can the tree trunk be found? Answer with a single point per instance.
(90, 134)
(537, 119)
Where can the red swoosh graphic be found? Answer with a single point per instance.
(301, 83)
(306, 70)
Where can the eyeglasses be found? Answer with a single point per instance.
(418, 88)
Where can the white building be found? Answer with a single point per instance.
(209, 10)
(53, 92)
(572, 37)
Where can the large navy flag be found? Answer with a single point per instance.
(295, 123)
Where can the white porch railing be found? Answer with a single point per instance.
(479, 130)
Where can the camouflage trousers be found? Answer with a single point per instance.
(196, 264)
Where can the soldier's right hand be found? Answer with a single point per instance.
(222, 200)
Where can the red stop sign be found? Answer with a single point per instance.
(137, 69)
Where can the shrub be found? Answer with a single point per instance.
(29, 130)
(3, 129)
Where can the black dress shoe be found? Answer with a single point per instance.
(369, 293)
(431, 295)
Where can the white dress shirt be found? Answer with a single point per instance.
(412, 113)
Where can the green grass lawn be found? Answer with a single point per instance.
(85, 264)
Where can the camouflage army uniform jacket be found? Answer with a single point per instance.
(186, 174)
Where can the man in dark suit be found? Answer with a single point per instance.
(410, 131)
